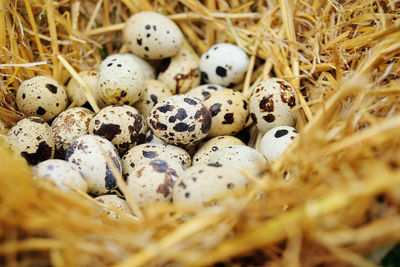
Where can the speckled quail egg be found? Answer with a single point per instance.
(275, 141)
(238, 157)
(154, 92)
(224, 64)
(69, 125)
(121, 80)
(123, 126)
(151, 35)
(89, 153)
(229, 111)
(75, 91)
(148, 71)
(203, 91)
(114, 201)
(41, 96)
(270, 104)
(205, 152)
(180, 120)
(153, 181)
(152, 139)
(202, 183)
(31, 137)
(147, 152)
(182, 73)
(65, 175)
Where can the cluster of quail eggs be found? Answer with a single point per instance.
(170, 133)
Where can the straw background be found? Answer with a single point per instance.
(339, 204)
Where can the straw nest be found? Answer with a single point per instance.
(333, 199)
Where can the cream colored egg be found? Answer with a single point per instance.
(153, 93)
(69, 125)
(92, 155)
(153, 181)
(151, 35)
(229, 111)
(203, 91)
(202, 183)
(213, 145)
(31, 138)
(180, 120)
(224, 64)
(182, 73)
(123, 126)
(271, 104)
(116, 202)
(76, 93)
(240, 157)
(41, 96)
(121, 80)
(147, 152)
(275, 141)
(66, 176)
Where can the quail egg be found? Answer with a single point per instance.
(31, 137)
(275, 141)
(41, 96)
(114, 201)
(203, 91)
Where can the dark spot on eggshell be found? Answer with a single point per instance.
(146, 48)
(40, 111)
(149, 154)
(214, 148)
(205, 94)
(215, 109)
(207, 120)
(147, 27)
(228, 118)
(132, 165)
(109, 64)
(244, 104)
(181, 114)
(154, 99)
(182, 184)
(159, 165)
(38, 120)
(165, 108)
(52, 88)
(281, 133)
(216, 164)
(166, 188)
(187, 195)
(139, 41)
(123, 93)
(23, 96)
(269, 118)
(190, 101)
(220, 71)
(181, 127)
(110, 179)
(108, 131)
(254, 117)
(267, 104)
(229, 102)
(42, 153)
(71, 149)
(229, 186)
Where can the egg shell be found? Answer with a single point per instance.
(202, 183)
(76, 93)
(121, 80)
(275, 141)
(154, 92)
(203, 91)
(151, 35)
(180, 120)
(115, 202)
(270, 104)
(123, 126)
(205, 152)
(224, 64)
(152, 139)
(148, 71)
(89, 153)
(69, 125)
(31, 137)
(182, 73)
(238, 157)
(65, 175)
(147, 152)
(153, 181)
(41, 96)
(229, 111)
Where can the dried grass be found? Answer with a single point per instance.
(340, 204)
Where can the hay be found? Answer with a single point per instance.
(333, 199)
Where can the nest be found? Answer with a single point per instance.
(332, 199)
